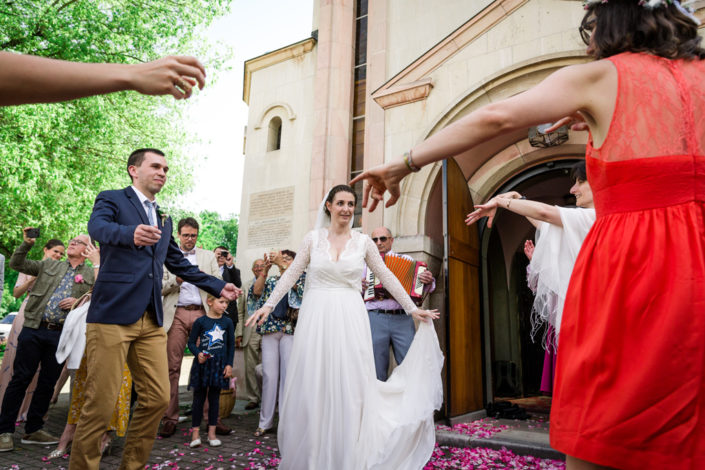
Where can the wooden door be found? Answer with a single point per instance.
(464, 384)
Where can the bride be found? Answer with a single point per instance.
(335, 414)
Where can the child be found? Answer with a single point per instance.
(213, 365)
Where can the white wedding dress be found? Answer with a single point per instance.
(335, 414)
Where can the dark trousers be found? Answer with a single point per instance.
(199, 398)
(34, 347)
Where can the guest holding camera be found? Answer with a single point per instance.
(54, 249)
(58, 285)
(277, 333)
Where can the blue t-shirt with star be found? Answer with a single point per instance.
(215, 336)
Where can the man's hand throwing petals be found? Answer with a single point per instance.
(147, 235)
(230, 292)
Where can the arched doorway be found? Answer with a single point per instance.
(498, 298)
(513, 359)
(498, 165)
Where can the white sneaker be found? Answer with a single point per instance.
(214, 442)
(195, 443)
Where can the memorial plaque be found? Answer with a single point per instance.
(270, 218)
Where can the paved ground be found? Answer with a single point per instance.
(481, 444)
(239, 450)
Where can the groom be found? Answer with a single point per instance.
(125, 315)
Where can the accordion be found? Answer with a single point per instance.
(406, 270)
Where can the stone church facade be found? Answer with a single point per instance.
(374, 79)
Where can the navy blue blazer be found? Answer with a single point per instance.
(131, 276)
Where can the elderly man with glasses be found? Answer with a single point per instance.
(390, 324)
(59, 284)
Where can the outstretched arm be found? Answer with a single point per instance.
(578, 88)
(530, 209)
(30, 79)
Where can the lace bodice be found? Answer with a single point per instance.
(654, 152)
(660, 109)
(324, 273)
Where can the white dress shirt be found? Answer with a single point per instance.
(143, 198)
(188, 293)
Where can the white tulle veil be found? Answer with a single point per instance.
(323, 219)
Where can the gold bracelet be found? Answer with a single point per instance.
(406, 161)
(410, 163)
(509, 203)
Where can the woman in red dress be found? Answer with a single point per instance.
(630, 389)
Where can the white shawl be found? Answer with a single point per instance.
(556, 250)
(72, 342)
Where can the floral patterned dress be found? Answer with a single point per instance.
(121, 413)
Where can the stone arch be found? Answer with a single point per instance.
(285, 110)
(487, 167)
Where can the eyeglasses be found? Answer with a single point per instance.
(380, 239)
(189, 235)
(586, 30)
(76, 241)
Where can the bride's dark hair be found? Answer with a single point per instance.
(335, 190)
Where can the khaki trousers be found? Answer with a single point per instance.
(253, 356)
(177, 337)
(143, 345)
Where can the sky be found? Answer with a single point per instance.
(217, 115)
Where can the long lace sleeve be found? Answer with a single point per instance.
(293, 272)
(389, 280)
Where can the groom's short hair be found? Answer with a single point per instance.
(137, 157)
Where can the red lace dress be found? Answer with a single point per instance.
(630, 389)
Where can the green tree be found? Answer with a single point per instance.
(215, 230)
(55, 158)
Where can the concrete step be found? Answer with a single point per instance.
(520, 438)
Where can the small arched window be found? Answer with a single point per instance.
(274, 138)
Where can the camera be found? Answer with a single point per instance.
(224, 254)
(32, 233)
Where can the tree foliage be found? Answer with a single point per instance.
(215, 230)
(55, 158)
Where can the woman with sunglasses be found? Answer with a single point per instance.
(631, 366)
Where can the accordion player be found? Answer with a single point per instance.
(406, 270)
